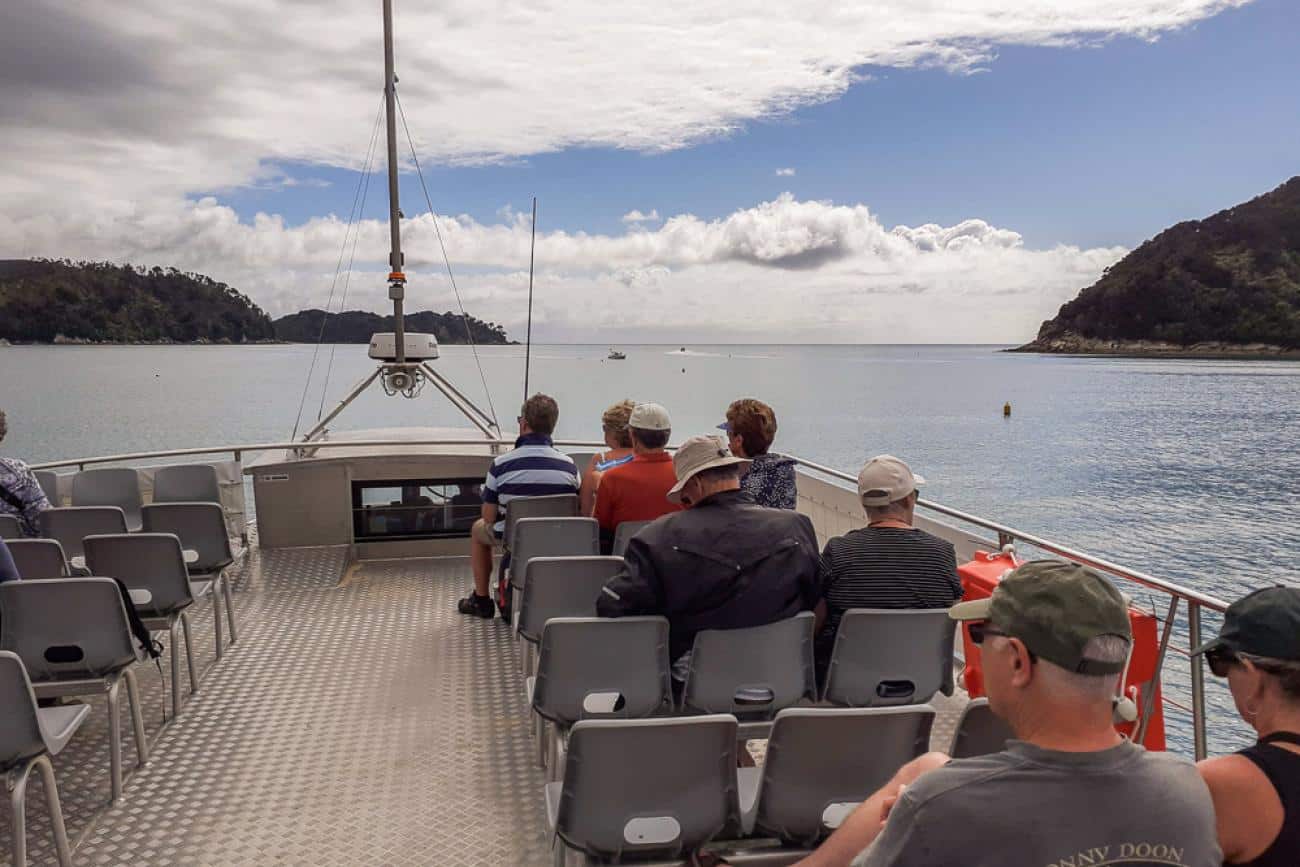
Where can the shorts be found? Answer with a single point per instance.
(483, 533)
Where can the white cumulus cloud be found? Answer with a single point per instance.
(786, 269)
(123, 125)
(635, 216)
(785, 173)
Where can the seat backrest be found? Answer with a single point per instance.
(201, 527)
(591, 667)
(890, 657)
(979, 731)
(66, 628)
(49, 482)
(190, 483)
(552, 506)
(70, 524)
(10, 528)
(582, 460)
(821, 761)
(648, 787)
(551, 537)
(562, 587)
(20, 733)
(38, 558)
(623, 534)
(752, 672)
(143, 561)
(109, 486)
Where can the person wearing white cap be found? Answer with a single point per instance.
(724, 563)
(888, 563)
(637, 491)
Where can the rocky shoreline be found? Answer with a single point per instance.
(1074, 344)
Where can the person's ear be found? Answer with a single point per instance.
(1022, 665)
(1254, 685)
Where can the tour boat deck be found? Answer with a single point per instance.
(359, 719)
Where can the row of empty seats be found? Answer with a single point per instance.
(604, 710)
(65, 630)
(120, 486)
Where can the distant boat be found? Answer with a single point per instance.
(615, 355)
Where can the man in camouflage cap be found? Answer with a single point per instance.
(1067, 789)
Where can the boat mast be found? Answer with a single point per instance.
(396, 279)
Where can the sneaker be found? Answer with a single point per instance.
(479, 606)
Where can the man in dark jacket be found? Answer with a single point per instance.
(724, 563)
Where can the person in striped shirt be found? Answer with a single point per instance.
(888, 563)
(533, 468)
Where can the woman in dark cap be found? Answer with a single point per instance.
(1256, 791)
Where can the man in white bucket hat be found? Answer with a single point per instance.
(723, 563)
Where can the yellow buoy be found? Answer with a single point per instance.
(1006, 409)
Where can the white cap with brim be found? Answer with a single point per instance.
(885, 479)
(699, 453)
(649, 416)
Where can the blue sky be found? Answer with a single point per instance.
(955, 172)
(1095, 146)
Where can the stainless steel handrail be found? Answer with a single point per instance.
(1194, 599)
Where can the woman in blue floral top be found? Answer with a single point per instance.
(751, 427)
(20, 493)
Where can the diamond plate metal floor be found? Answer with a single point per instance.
(356, 722)
(364, 723)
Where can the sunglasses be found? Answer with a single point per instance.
(980, 630)
(1221, 660)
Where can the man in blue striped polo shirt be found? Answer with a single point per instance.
(533, 468)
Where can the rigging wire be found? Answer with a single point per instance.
(343, 299)
(469, 333)
(528, 342)
(363, 180)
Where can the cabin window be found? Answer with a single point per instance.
(394, 509)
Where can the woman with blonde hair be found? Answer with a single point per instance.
(619, 442)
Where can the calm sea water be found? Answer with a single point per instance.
(1187, 469)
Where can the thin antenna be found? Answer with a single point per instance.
(528, 341)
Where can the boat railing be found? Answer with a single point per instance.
(1179, 597)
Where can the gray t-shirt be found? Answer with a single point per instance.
(1031, 807)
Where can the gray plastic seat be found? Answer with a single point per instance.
(49, 482)
(110, 486)
(562, 587)
(188, 483)
(634, 789)
(887, 657)
(547, 537)
(70, 524)
(152, 567)
(551, 537)
(582, 460)
(10, 528)
(29, 735)
(752, 673)
(623, 534)
(591, 667)
(38, 558)
(73, 636)
(822, 762)
(201, 527)
(979, 731)
(552, 506)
